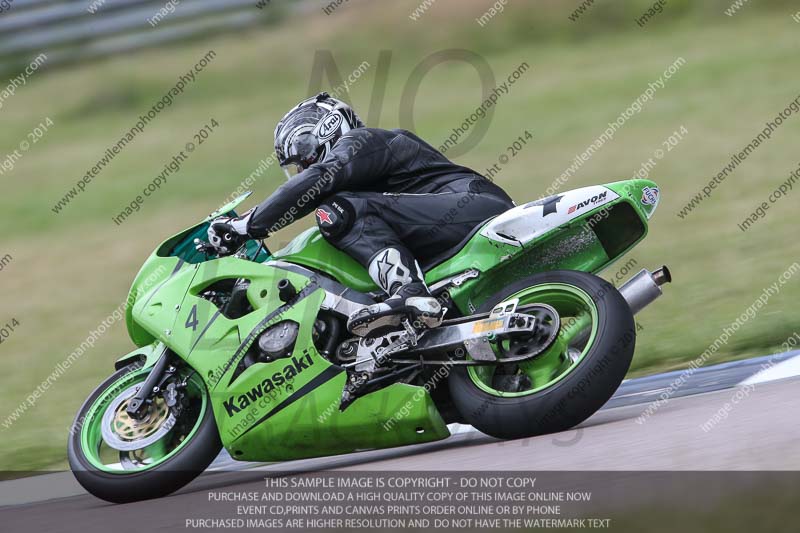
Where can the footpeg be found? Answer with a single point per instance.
(372, 356)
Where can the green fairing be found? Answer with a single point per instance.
(312, 250)
(147, 354)
(169, 257)
(296, 431)
(554, 250)
(289, 408)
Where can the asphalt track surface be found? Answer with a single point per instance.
(758, 433)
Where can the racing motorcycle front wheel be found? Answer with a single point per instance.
(121, 459)
(568, 382)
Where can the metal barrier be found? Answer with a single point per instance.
(75, 30)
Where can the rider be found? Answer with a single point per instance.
(382, 196)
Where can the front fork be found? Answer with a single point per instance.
(162, 372)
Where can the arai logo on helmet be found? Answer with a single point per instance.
(329, 125)
(650, 195)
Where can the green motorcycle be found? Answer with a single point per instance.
(251, 353)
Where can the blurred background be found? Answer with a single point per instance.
(76, 76)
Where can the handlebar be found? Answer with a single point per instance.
(203, 246)
(209, 249)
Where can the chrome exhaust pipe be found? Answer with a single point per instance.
(639, 291)
(644, 288)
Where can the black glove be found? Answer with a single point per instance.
(228, 234)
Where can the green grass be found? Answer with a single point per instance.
(70, 270)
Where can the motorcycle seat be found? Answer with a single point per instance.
(432, 262)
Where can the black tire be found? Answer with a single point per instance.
(578, 395)
(159, 481)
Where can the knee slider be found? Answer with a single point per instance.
(335, 218)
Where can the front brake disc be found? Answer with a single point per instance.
(124, 433)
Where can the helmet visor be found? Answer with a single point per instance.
(291, 170)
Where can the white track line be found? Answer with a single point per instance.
(786, 369)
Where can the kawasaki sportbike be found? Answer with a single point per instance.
(250, 352)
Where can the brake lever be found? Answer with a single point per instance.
(207, 248)
(203, 246)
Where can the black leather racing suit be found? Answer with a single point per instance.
(377, 189)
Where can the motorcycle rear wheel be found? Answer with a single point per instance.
(569, 381)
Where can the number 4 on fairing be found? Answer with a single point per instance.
(534, 342)
(191, 320)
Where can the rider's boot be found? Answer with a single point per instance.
(399, 275)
